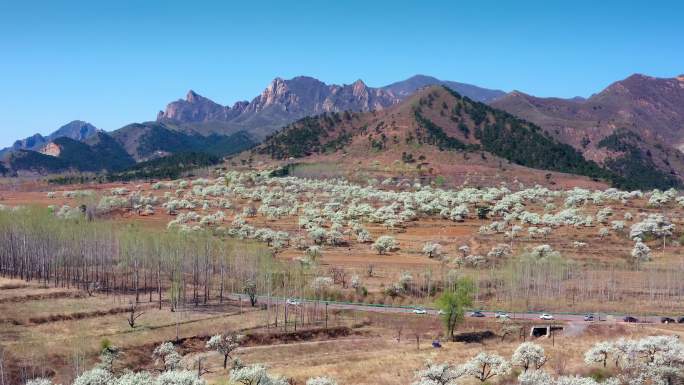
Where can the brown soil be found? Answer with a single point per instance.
(38, 297)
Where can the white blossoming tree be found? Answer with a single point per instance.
(385, 244)
(535, 377)
(167, 356)
(599, 353)
(438, 374)
(528, 356)
(178, 377)
(254, 375)
(225, 345)
(641, 252)
(485, 366)
(96, 376)
(432, 250)
(321, 381)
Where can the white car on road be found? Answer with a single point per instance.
(293, 302)
(419, 310)
(546, 317)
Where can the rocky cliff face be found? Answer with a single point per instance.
(51, 149)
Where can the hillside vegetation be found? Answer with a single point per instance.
(168, 167)
(637, 166)
(434, 119)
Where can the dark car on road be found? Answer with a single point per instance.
(477, 314)
(680, 320)
(667, 320)
(630, 319)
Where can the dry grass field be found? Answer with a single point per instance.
(369, 353)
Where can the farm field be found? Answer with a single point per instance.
(41, 337)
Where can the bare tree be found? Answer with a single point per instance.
(133, 313)
(250, 289)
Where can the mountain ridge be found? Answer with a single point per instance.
(284, 101)
(652, 108)
(435, 122)
(76, 129)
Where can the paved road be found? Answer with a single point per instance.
(488, 314)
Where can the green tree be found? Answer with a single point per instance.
(453, 303)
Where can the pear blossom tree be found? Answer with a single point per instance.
(439, 374)
(641, 252)
(254, 375)
(166, 355)
(385, 244)
(599, 353)
(529, 355)
(224, 345)
(485, 366)
(432, 250)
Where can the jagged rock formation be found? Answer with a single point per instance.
(285, 101)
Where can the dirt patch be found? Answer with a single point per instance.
(77, 316)
(474, 337)
(141, 357)
(10, 286)
(298, 336)
(40, 297)
(612, 330)
(12, 321)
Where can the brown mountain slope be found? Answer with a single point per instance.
(434, 132)
(650, 108)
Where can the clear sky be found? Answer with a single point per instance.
(116, 62)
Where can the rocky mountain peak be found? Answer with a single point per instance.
(277, 88)
(359, 88)
(76, 129)
(192, 96)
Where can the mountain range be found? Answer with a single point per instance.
(633, 128)
(197, 123)
(77, 130)
(285, 101)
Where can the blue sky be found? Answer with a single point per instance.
(116, 62)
